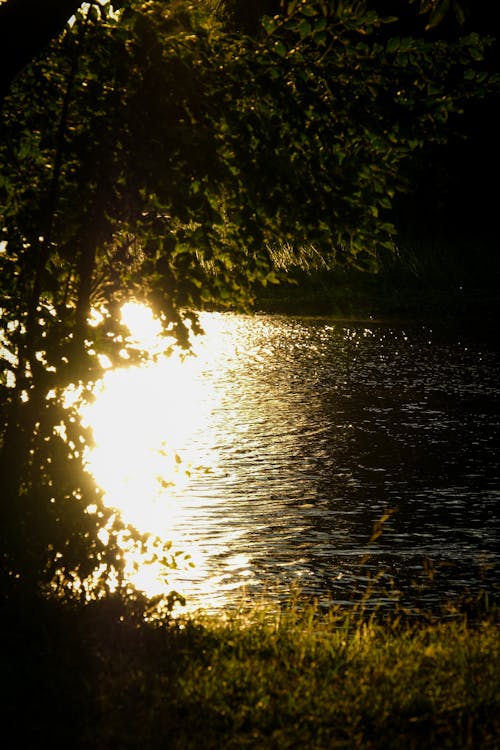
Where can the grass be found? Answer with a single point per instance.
(299, 678)
(312, 681)
(439, 279)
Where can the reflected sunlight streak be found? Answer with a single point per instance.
(143, 421)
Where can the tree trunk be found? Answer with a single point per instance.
(15, 455)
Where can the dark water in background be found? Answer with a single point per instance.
(317, 429)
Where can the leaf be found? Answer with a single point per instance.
(319, 24)
(460, 12)
(439, 10)
(393, 45)
(269, 24)
(280, 49)
(304, 28)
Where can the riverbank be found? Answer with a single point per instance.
(100, 677)
(443, 290)
(374, 298)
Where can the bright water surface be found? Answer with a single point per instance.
(309, 431)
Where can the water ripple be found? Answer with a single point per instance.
(314, 429)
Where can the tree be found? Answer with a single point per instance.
(152, 155)
(27, 26)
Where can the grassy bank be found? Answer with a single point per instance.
(100, 678)
(389, 295)
(430, 278)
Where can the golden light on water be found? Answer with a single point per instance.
(146, 456)
(266, 455)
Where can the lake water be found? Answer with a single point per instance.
(293, 437)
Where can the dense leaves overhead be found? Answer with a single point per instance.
(155, 153)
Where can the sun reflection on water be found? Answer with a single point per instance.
(144, 420)
(269, 455)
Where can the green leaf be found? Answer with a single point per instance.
(269, 24)
(393, 45)
(439, 10)
(304, 28)
(280, 49)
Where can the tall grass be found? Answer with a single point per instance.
(301, 678)
(100, 676)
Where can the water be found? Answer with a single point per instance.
(308, 432)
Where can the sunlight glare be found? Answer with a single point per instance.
(145, 420)
(144, 328)
(141, 418)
